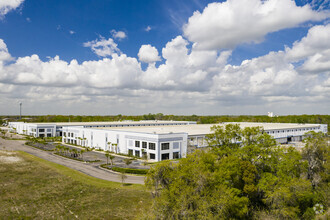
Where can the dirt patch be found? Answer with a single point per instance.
(7, 153)
(9, 157)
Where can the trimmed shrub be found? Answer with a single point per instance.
(126, 170)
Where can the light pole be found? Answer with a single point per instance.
(20, 110)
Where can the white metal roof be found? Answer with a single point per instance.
(203, 129)
(103, 123)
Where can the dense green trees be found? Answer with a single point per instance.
(253, 180)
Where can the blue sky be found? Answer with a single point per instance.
(194, 57)
(43, 27)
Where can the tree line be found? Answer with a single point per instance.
(318, 119)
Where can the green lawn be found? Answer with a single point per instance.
(35, 188)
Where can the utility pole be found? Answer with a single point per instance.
(20, 110)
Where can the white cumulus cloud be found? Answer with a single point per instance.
(190, 79)
(118, 34)
(148, 54)
(103, 47)
(8, 5)
(314, 50)
(227, 24)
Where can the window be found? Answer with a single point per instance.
(165, 156)
(137, 143)
(41, 135)
(137, 153)
(176, 145)
(165, 146)
(49, 135)
(130, 152)
(152, 146)
(144, 144)
(64, 134)
(176, 155)
(152, 156)
(41, 130)
(49, 130)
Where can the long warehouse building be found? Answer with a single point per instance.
(161, 142)
(55, 129)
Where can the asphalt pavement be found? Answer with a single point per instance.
(91, 169)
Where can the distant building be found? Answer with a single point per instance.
(270, 114)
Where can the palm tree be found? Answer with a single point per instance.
(127, 161)
(122, 177)
(109, 144)
(144, 157)
(111, 159)
(107, 156)
(66, 150)
(115, 145)
(82, 154)
(75, 152)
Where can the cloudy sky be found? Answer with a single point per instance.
(187, 57)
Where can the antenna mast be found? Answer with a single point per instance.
(20, 110)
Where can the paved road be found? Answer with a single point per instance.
(90, 169)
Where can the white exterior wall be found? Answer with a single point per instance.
(33, 129)
(123, 141)
(26, 128)
(197, 140)
(296, 134)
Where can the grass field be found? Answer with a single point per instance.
(31, 187)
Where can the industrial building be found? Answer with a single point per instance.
(161, 142)
(55, 129)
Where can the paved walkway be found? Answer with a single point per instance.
(91, 169)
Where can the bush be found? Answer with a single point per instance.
(126, 170)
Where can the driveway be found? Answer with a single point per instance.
(91, 169)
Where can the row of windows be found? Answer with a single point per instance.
(43, 135)
(69, 134)
(137, 154)
(43, 130)
(304, 129)
(176, 155)
(131, 125)
(166, 156)
(152, 146)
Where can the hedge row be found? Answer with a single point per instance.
(72, 158)
(126, 170)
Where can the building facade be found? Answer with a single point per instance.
(56, 129)
(172, 141)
